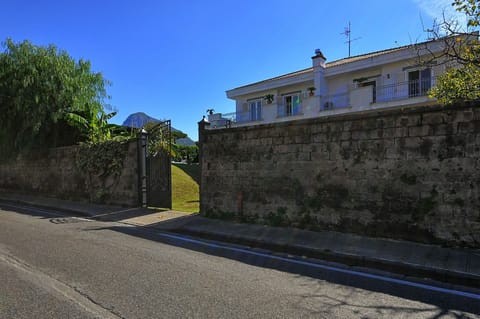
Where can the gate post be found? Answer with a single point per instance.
(202, 125)
(142, 163)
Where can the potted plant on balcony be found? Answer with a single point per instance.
(311, 90)
(269, 98)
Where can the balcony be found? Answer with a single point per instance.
(335, 101)
(289, 110)
(228, 119)
(378, 96)
(357, 99)
(404, 90)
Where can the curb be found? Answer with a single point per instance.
(400, 268)
(351, 260)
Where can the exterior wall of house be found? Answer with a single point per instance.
(270, 112)
(405, 173)
(342, 94)
(341, 86)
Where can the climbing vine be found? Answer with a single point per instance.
(102, 163)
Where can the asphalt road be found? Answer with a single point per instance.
(56, 266)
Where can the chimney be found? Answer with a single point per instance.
(318, 59)
(318, 62)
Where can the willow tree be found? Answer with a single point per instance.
(47, 98)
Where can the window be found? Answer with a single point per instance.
(291, 105)
(419, 82)
(255, 110)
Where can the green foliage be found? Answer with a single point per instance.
(471, 9)
(103, 163)
(458, 84)
(162, 139)
(218, 214)
(408, 179)
(280, 218)
(425, 205)
(49, 99)
(462, 83)
(188, 153)
(159, 138)
(185, 188)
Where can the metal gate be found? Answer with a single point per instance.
(158, 165)
(159, 180)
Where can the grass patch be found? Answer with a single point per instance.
(192, 170)
(185, 189)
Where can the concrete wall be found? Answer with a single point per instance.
(410, 173)
(56, 174)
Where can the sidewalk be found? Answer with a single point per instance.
(456, 266)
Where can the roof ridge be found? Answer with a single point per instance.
(355, 57)
(277, 77)
(342, 61)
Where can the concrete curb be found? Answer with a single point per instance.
(410, 270)
(353, 260)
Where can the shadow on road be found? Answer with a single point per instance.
(128, 213)
(442, 305)
(110, 214)
(444, 302)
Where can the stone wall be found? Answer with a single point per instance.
(56, 174)
(411, 173)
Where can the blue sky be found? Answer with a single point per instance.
(175, 59)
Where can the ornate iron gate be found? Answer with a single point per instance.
(158, 165)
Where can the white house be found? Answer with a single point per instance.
(383, 79)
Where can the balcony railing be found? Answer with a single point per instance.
(358, 97)
(289, 110)
(242, 117)
(404, 90)
(377, 94)
(334, 101)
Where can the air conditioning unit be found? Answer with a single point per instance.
(328, 105)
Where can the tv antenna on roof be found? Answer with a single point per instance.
(348, 33)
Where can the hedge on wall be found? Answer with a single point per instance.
(102, 163)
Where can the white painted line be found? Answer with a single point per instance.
(295, 261)
(82, 219)
(331, 268)
(117, 212)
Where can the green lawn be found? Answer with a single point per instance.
(185, 189)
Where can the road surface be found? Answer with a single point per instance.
(57, 266)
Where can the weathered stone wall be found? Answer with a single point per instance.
(56, 174)
(410, 173)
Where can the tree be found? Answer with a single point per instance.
(187, 153)
(458, 39)
(160, 138)
(461, 53)
(49, 99)
(458, 84)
